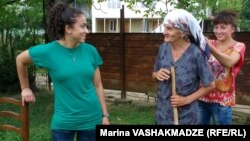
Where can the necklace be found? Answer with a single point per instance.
(73, 54)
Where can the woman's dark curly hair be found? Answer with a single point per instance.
(226, 17)
(60, 15)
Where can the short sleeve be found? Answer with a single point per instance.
(240, 48)
(156, 65)
(158, 58)
(38, 54)
(97, 60)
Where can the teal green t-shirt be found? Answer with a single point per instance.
(77, 106)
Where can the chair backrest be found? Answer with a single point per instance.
(22, 116)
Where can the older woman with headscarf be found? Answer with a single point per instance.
(185, 48)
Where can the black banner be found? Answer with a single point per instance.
(194, 132)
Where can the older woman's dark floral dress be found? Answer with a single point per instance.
(191, 70)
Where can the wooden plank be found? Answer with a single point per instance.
(143, 65)
(242, 36)
(10, 101)
(244, 71)
(139, 71)
(10, 114)
(110, 56)
(112, 63)
(140, 58)
(109, 49)
(242, 97)
(111, 84)
(103, 36)
(246, 63)
(242, 79)
(11, 128)
(107, 43)
(143, 44)
(140, 78)
(141, 87)
(144, 37)
(113, 75)
(242, 87)
(106, 68)
(130, 86)
(138, 51)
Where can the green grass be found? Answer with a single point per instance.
(41, 113)
(128, 114)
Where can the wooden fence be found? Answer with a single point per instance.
(129, 59)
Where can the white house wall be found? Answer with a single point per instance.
(101, 11)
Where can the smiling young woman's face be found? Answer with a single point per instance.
(79, 30)
(223, 31)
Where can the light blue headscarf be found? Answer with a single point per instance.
(187, 23)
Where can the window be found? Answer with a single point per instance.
(112, 25)
(114, 4)
(145, 25)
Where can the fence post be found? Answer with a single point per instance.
(123, 80)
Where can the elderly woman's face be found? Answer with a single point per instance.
(171, 34)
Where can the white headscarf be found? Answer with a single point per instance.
(187, 23)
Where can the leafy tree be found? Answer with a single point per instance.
(245, 16)
(20, 22)
(229, 4)
(239, 6)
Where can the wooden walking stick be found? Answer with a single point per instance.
(175, 112)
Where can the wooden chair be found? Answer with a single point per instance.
(22, 116)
